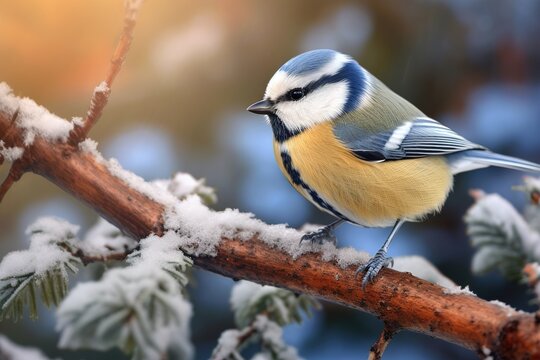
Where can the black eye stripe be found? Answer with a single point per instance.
(350, 72)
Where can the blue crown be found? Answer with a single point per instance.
(308, 61)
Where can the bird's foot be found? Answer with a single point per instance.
(373, 266)
(320, 236)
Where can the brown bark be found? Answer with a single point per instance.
(401, 300)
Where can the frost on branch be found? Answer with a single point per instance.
(505, 239)
(260, 312)
(140, 308)
(44, 266)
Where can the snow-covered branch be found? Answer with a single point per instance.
(239, 246)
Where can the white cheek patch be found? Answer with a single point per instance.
(282, 82)
(323, 104)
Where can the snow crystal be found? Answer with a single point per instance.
(422, 268)
(102, 88)
(103, 237)
(44, 253)
(227, 344)
(10, 153)
(509, 309)
(456, 290)
(33, 118)
(77, 121)
(90, 146)
(10, 350)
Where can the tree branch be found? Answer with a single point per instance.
(100, 98)
(396, 298)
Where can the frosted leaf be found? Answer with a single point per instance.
(282, 306)
(502, 236)
(10, 350)
(139, 308)
(44, 266)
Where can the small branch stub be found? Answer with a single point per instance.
(377, 350)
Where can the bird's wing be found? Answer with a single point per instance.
(416, 138)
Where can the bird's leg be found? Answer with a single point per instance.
(380, 260)
(323, 234)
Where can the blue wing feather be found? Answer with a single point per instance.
(419, 137)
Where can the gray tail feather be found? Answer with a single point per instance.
(489, 158)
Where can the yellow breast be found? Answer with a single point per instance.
(370, 194)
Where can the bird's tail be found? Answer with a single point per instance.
(474, 159)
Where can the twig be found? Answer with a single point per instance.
(377, 350)
(100, 97)
(15, 173)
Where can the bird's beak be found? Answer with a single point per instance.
(263, 107)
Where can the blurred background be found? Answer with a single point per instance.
(178, 105)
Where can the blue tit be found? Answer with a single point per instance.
(359, 151)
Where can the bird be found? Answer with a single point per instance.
(360, 152)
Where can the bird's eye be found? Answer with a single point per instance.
(296, 94)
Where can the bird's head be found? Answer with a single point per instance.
(311, 88)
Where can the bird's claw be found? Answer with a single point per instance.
(320, 236)
(373, 266)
